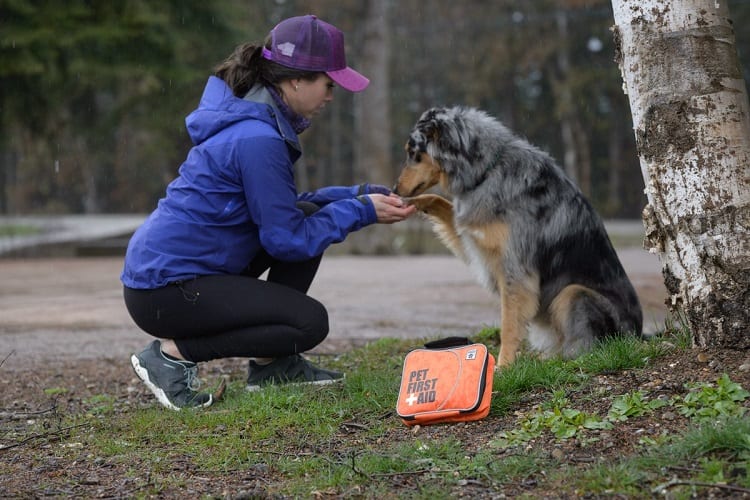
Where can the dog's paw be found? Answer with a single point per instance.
(504, 358)
(425, 202)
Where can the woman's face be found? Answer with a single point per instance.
(309, 97)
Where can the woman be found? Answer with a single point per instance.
(191, 274)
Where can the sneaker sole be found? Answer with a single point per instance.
(161, 396)
(254, 388)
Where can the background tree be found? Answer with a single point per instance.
(372, 154)
(692, 125)
(94, 93)
(86, 89)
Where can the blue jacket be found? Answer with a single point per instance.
(234, 195)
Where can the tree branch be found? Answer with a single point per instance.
(11, 353)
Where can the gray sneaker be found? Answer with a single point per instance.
(173, 382)
(290, 369)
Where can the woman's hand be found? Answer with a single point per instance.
(391, 208)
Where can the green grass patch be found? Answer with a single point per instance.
(711, 455)
(619, 353)
(345, 439)
(726, 437)
(529, 373)
(17, 230)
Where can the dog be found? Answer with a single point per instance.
(525, 229)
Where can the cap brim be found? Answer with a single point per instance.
(349, 79)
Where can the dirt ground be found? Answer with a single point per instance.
(63, 324)
(59, 310)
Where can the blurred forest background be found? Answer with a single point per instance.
(94, 93)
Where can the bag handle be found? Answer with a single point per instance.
(448, 342)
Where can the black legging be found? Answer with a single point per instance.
(222, 316)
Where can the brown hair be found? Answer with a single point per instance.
(246, 67)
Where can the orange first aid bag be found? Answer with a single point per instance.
(445, 382)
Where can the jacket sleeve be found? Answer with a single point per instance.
(284, 230)
(328, 194)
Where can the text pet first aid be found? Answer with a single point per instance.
(452, 384)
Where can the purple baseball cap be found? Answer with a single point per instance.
(309, 44)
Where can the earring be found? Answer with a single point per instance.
(296, 87)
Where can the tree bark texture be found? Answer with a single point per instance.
(374, 141)
(373, 146)
(689, 105)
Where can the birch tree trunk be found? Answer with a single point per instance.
(689, 104)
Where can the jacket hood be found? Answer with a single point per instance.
(219, 108)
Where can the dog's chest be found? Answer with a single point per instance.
(484, 248)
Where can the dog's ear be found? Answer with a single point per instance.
(430, 124)
(452, 134)
(433, 132)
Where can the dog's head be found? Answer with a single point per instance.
(422, 169)
(441, 145)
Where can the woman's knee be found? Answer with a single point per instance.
(315, 327)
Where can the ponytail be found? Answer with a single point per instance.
(240, 71)
(246, 67)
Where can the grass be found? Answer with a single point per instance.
(346, 441)
(619, 354)
(17, 230)
(710, 450)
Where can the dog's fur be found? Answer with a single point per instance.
(524, 228)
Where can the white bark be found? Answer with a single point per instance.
(690, 115)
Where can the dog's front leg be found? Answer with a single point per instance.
(519, 303)
(440, 212)
(433, 205)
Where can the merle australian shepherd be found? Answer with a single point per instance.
(525, 229)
